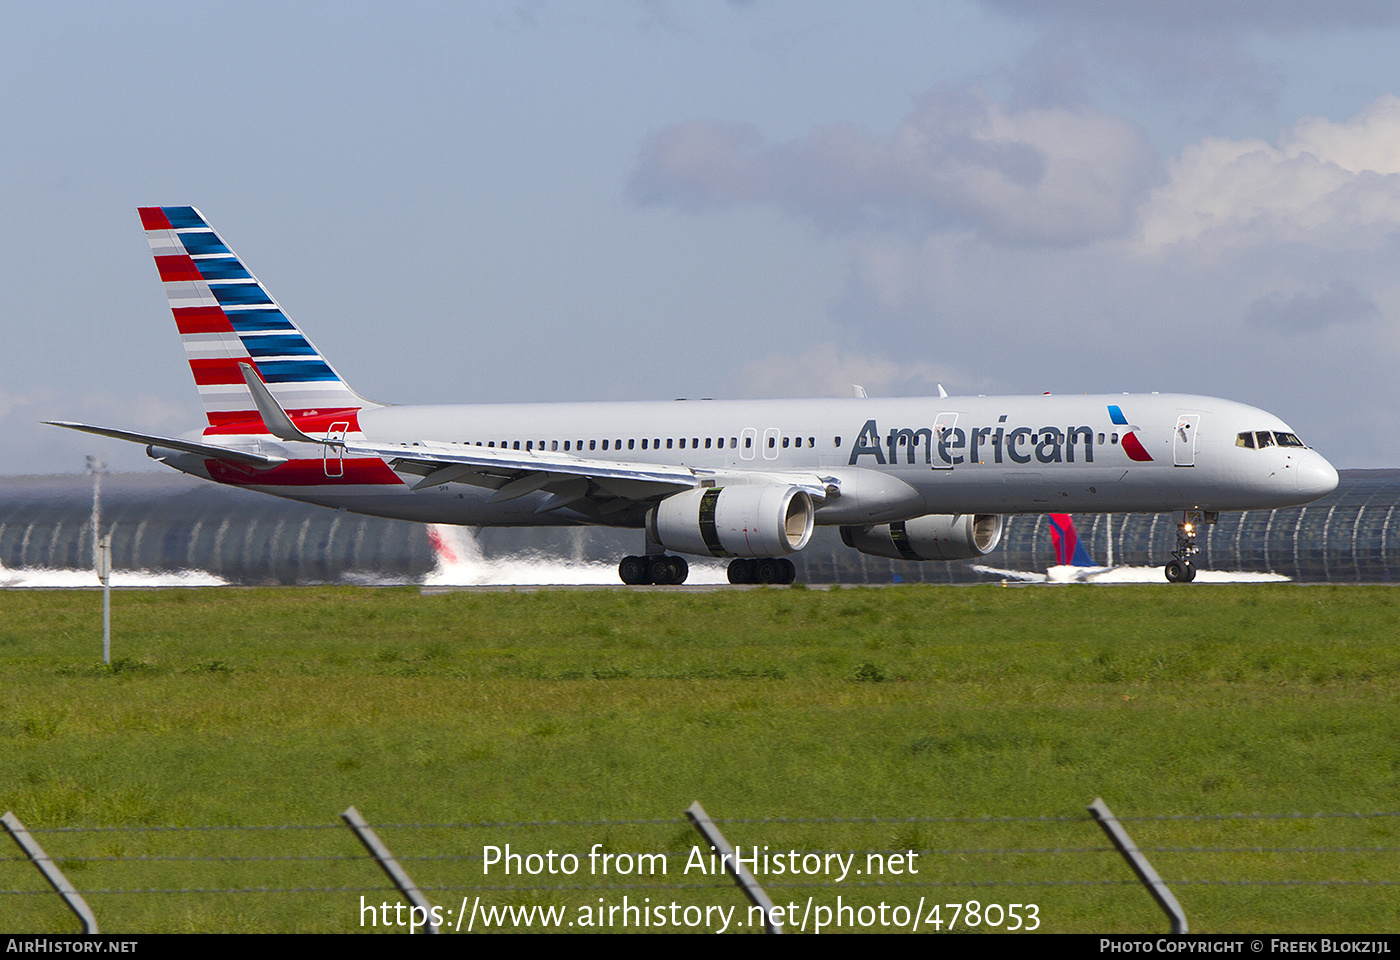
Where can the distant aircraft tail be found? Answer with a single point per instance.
(1069, 549)
(226, 317)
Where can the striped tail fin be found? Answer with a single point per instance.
(225, 316)
(1069, 549)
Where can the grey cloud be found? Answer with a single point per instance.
(959, 161)
(1342, 302)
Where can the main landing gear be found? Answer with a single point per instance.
(660, 569)
(777, 570)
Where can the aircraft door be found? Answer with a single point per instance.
(943, 426)
(1184, 440)
(333, 456)
(770, 443)
(747, 441)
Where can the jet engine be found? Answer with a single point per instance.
(962, 536)
(748, 520)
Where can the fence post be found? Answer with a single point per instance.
(396, 873)
(742, 878)
(50, 871)
(1155, 884)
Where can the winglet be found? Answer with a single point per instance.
(273, 416)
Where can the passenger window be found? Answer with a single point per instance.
(836, 442)
(707, 443)
(669, 441)
(1113, 438)
(631, 444)
(593, 444)
(517, 445)
(644, 443)
(682, 443)
(772, 442)
(748, 443)
(566, 446)
(785, 443)
(605, 444)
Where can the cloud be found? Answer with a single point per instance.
(1042, 175)
(824, 370)
(1325, 183)
(1340, 303)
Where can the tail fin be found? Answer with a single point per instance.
(226, 317)
(1069, 549)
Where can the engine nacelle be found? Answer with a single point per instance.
(748, 520)
(963, 536)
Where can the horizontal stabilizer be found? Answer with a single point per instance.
(273, 416)
(173, 443)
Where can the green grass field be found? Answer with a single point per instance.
(231, 707)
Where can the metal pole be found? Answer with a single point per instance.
(742, 878)
(104, 573)
(396, 873)
(1155, 884)
(50, 870)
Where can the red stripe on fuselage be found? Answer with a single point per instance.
(201, 320)
(368, 471)
(178, 267)
(234, 422)
(153, 218)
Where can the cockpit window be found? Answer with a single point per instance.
(1259, 439)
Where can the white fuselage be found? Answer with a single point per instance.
(890, 459)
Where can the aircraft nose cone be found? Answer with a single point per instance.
(1316, 477)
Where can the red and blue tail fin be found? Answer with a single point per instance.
(226, 317)
(1069, 549)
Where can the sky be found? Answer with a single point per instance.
(643, 199)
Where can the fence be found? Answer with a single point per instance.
(1332, 871)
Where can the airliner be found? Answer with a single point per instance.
(912, 479)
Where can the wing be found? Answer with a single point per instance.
(604, 489)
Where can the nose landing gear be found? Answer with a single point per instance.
(1179, 568)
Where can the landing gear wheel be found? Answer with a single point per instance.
(666, 570)
(1180, 571)
(741, 571)
(770, 570)
(660, 570)
(789, 570)
(632, 570)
